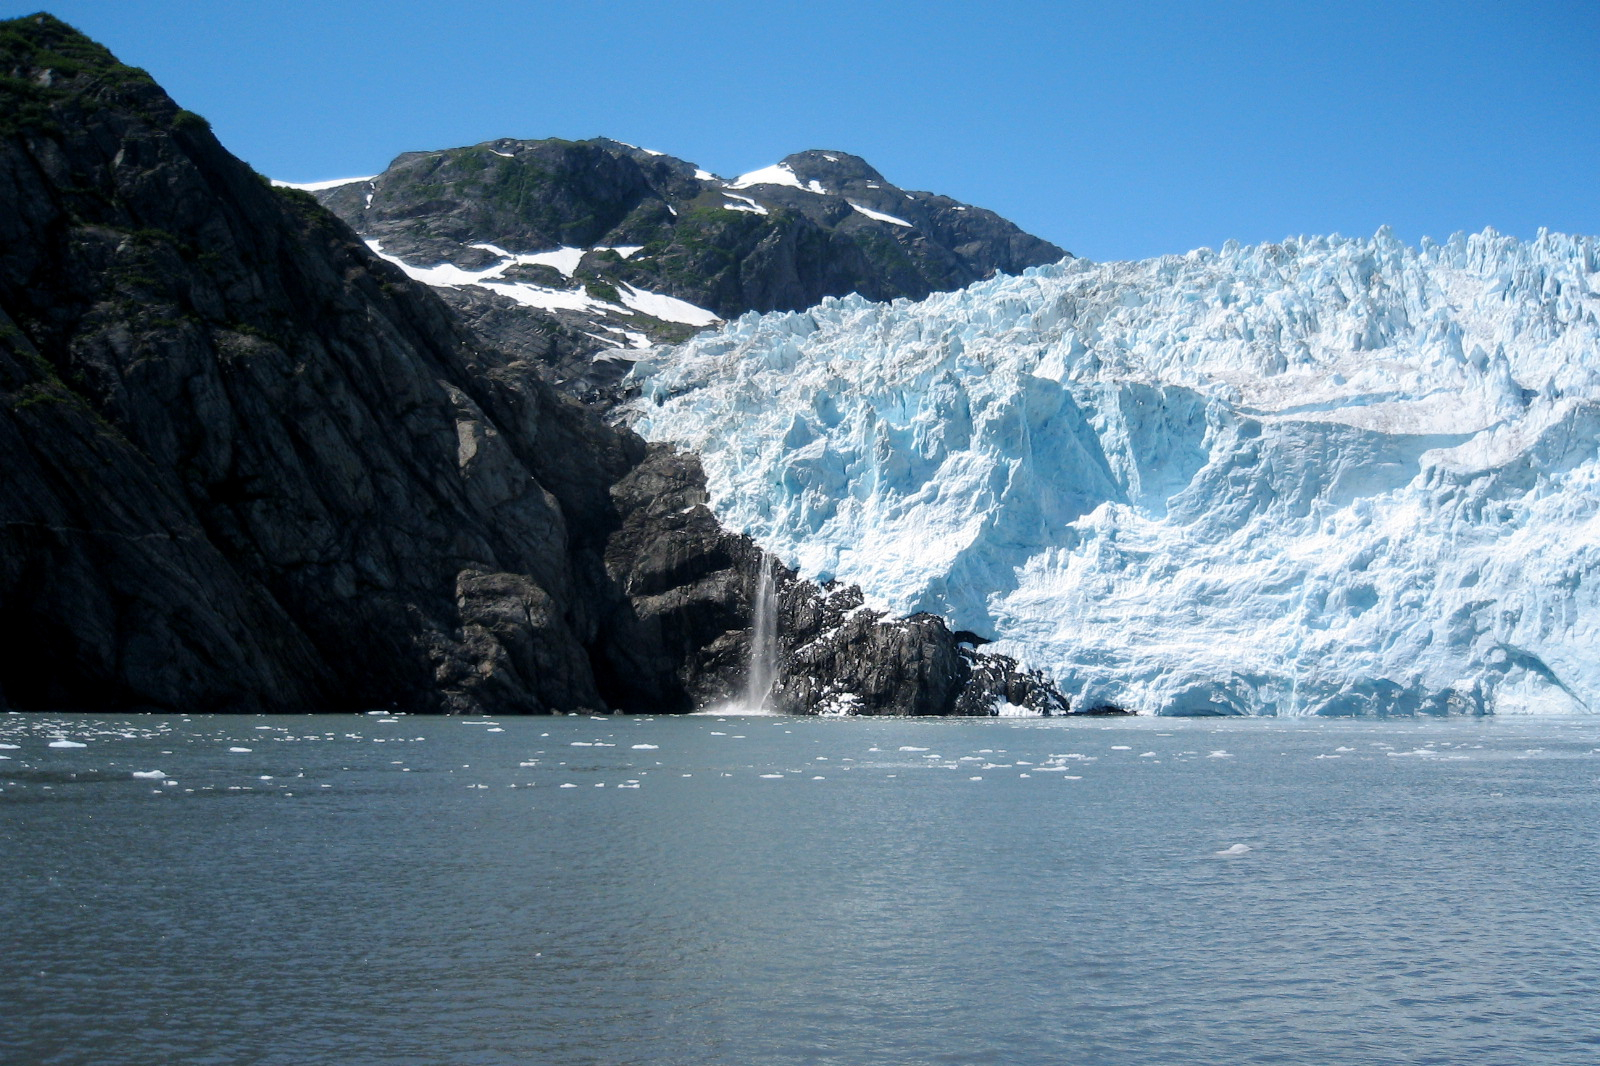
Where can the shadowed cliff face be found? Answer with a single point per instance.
(249, 466)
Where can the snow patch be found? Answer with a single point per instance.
(319, 186)
(777, 174)
(880, 216)
(666, 308)
(448, 275)
(745, 204)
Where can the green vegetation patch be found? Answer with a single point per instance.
(46, 62)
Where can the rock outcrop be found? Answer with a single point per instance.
(249, 466)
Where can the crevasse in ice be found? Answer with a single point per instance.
(1324, 476)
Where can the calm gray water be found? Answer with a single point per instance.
(350, 890)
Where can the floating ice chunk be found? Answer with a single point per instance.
(908, 747)
(10, 747)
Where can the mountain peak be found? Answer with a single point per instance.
(830, 168)
(41, 42)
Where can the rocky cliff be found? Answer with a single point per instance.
(564, 249)
(250, 466)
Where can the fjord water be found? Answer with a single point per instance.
(320, 890)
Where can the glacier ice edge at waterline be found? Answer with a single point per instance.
(1330, 475)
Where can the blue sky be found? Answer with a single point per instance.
(1117, 130)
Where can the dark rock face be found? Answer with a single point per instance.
(728, 249)
(249, 461)
(248, 466)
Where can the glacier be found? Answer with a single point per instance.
(1325, 476)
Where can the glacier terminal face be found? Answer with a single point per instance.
(1328, 476)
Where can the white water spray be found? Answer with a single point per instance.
(763, 640)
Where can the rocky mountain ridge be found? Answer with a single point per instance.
(250, 466)
(571, 250)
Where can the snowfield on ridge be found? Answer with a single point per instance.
(1326, 476)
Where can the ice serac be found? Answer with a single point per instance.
(1330, 476)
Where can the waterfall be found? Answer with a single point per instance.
(763, 639)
